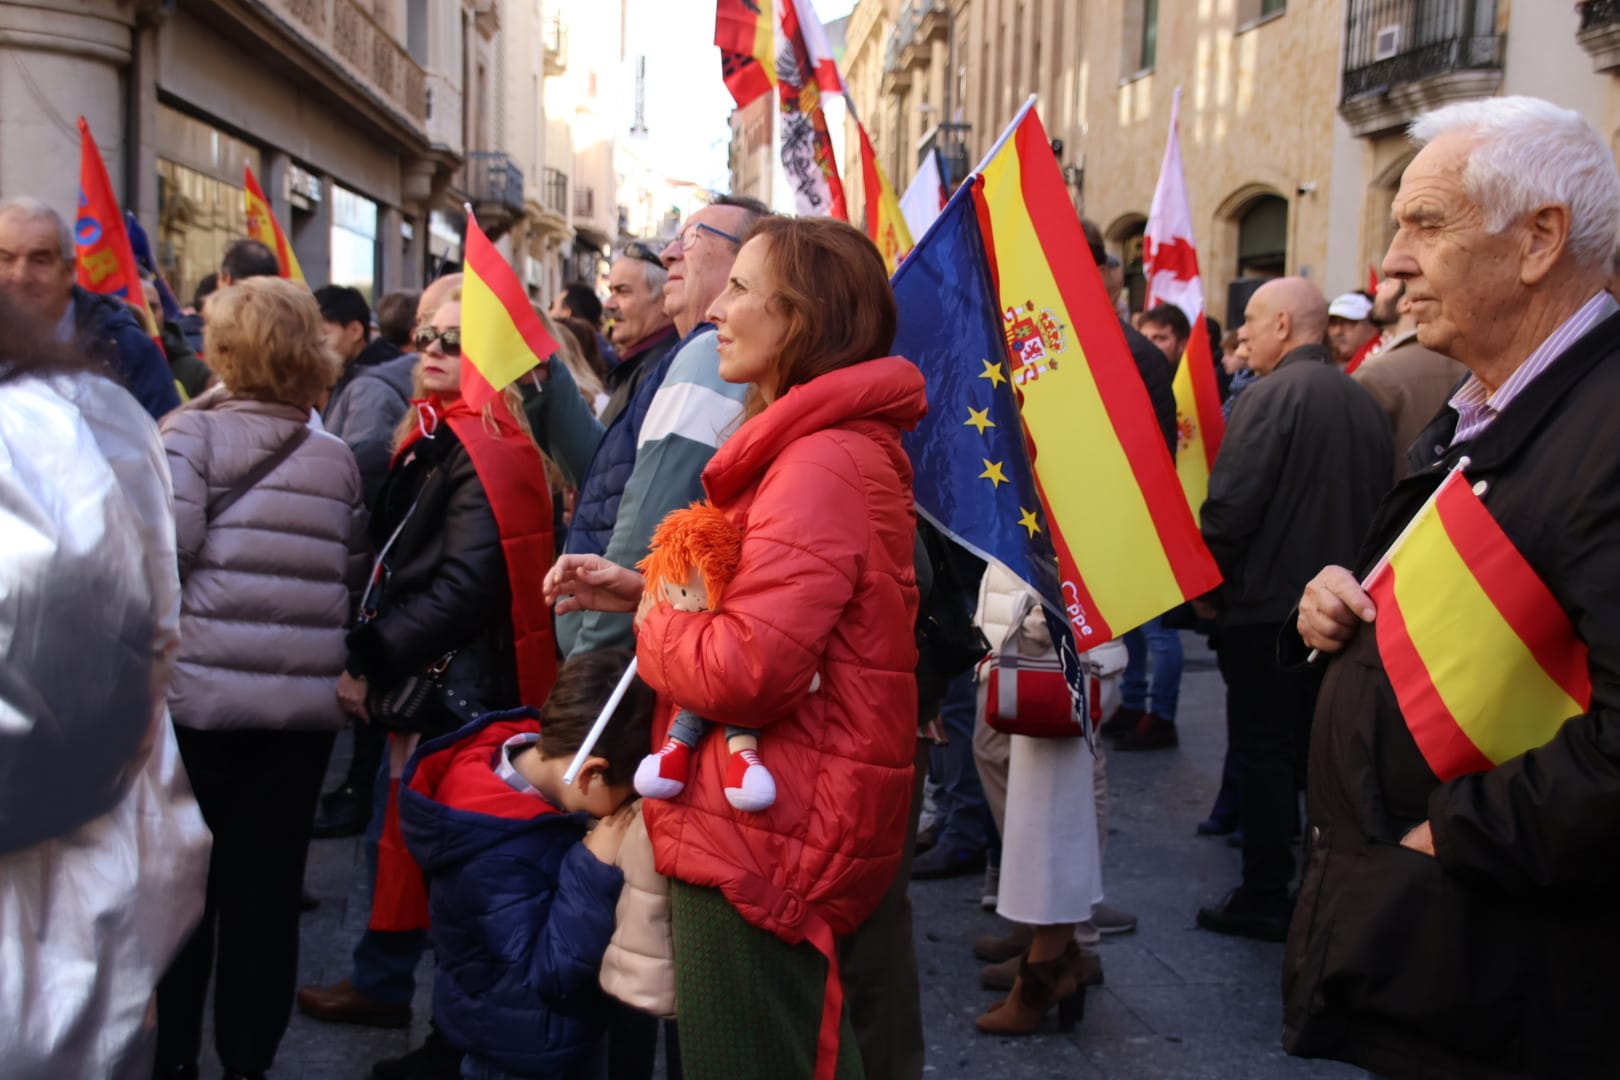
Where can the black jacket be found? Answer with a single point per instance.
(1501, 956)
(1307, 455)
(446, 586)
(1158, 376)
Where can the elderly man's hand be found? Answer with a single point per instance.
(1333, 606)
(591, 583)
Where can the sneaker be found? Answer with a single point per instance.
(663, 775)
(1111, 920)
(1152, 733)
(1124, 719)
(992, 887)
(1241, 914)
(749, 784)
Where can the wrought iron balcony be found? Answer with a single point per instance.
(1405, 56)
(584, 202)
(951, 141)
(494, 180)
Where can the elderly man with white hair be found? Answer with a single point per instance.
(1468, 924)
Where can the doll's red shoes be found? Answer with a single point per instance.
(749, 784)
(663, 775)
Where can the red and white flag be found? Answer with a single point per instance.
(1170, 263)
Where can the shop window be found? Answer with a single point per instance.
(1263, 238)
(354, 241)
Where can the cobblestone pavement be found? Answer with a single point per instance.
(1178, 1002)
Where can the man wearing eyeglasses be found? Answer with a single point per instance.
(642, 332)
(651, 459)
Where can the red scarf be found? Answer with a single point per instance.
(514, 478)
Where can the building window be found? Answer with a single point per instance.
(1150, 36)
(1263, 238)
(1253, 11)
(1131, 263)
(200, 207)
(354, 241)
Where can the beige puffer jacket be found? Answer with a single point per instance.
(639, 965)
(999, 592)
(267, 589)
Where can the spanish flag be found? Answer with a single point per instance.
(884, 222)
(106, 262)
(1170, 263)
(1127, 545)
(263, 226)
(745, 31)
(1484, 662)
(501, 336)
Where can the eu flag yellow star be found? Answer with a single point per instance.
(978, 419)
(992, 472)
(1027, 520)
(993, 373)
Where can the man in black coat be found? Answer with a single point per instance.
(1469, 927)
(1307, 455)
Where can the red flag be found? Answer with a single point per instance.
(106, 262)
(1372, 278)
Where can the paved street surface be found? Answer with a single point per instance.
(1179, 1002)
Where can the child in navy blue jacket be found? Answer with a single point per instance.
(521, 895)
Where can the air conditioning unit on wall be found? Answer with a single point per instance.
(1387, 42)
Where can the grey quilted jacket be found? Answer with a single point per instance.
(267, 587)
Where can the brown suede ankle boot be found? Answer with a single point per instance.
(1039, 986)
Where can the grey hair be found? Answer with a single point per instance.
(1531, 153)
(34, 209)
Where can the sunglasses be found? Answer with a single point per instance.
(449, 339)
(638, 250)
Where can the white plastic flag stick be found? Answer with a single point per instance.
(601, 724)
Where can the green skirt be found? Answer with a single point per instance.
(748, 1004)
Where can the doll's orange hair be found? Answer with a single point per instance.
(698, 536)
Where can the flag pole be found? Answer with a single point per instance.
(1029, 103)
(1383, 560)
(595, 734)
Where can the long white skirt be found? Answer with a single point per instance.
(1051, 870)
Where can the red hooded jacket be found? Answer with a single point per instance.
(821, 489)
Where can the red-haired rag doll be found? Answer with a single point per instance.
(693, 557)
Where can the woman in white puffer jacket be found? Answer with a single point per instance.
(1042, 795)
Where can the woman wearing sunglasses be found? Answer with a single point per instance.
(452, 624)
(811, 643)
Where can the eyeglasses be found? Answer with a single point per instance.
(689, 235)
(635, 249)
(449, 339)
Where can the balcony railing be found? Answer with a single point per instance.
(951, 141)
(554, 191)
(584, 202)
(361, 49)
(494, 180)
(1389, 43)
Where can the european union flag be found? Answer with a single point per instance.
(971, 459)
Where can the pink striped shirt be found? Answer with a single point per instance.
(1477, 407)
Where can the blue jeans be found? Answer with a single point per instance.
(964, 816)
(385, 960)
(1153, 639)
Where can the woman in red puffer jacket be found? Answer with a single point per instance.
(816, 480)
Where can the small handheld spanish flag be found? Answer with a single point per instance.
(1484, 662)
(263, 226)
(501, 336)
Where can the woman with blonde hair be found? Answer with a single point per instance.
(452, 624)
(270, 528)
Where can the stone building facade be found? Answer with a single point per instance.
(371, 125)
(1292, 116)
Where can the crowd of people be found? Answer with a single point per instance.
(696, 518)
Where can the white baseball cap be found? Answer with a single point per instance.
(1352, 306)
